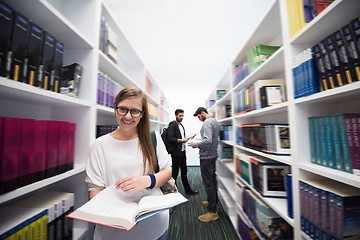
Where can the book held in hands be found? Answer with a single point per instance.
(108, 209)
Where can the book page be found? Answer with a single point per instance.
(107, 208)
(150, 203)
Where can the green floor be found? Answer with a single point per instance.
(184, 223)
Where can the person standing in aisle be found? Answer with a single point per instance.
(177, 139)
(208, 151)
(126, 158)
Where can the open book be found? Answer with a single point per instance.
(106, 208)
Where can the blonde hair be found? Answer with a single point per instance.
(143, 128)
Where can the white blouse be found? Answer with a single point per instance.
(110, 160)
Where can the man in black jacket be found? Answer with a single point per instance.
(177, 139)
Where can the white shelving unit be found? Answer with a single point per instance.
(77, 25)
(273, 30)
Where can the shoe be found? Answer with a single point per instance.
(192, 192)
(209, 216)
(206, 204)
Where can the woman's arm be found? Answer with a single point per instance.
(93, 193)
(162, 177)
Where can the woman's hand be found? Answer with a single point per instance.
(133, 183)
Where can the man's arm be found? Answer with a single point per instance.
(171, 134)
(206, 140)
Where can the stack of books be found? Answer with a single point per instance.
(41, 216)
(108, 40)
(334, 141)
(302, 12)
(263, 93)
(258, 54)
(241, 71)
(329, 209)
(332, 62)
(30, 54)
(32, 150)
(265, 137)
(107, 89)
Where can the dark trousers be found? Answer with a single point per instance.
(208, 167)
(179, 162)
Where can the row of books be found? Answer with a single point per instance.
(224, 111)
(268, 224)
(305, 74)
(334, 141)
(153, 111)
(225, 152)
(209, 103)
(107, 89)
(32, 150)
(301, 12)
(265, 175)
(226, 132)
(245, 229)
(30, 54)
(337, 57)
(241, 72)
(270, 138)
(105, 129)
(258, 54)
(41, 216)
(148, 85)
(263, 93)
(220, 93)
(333, 62)
(108, 40)
(329, 209)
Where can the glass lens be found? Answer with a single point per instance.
(122, 110)
(135, 112)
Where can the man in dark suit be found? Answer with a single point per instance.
(177, 139)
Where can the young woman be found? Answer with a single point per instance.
(126, 158)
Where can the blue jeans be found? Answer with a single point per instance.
(163, 237)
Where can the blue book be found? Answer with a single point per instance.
(289, 195)
(317, 141)
(337, 143)
(314, 86)
(311, 122)
(329, 142)
(323, 155)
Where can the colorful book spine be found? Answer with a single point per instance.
(345, 140)
(26, 158)
(10, 155)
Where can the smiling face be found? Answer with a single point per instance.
(127, 122)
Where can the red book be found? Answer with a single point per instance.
(26, 160)
(71, 142)
(63, 147)
(52, 148)
(10, 155)
(40, 146)
(322, 4)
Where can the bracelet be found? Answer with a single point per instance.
(153, 181)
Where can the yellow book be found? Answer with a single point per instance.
(301, 13)
(291, 17)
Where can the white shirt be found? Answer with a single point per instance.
(110, 160)
(182, 132)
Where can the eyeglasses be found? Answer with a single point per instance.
(123, 111)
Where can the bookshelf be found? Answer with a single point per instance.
(77, 25)
(273, 30)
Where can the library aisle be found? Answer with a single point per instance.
(184, 223)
